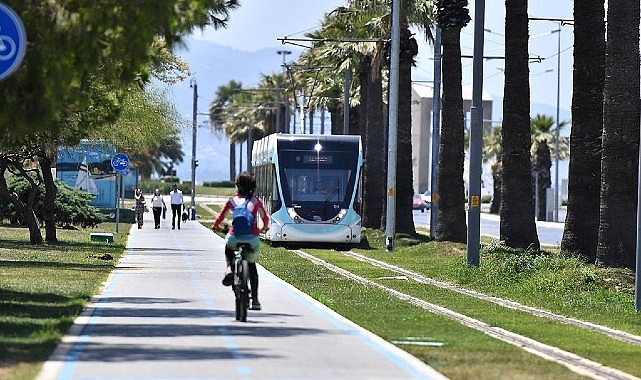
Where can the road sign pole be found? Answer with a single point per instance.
(118, 179)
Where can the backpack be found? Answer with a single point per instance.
(242, 218)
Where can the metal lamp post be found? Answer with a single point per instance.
(558, 125)
(194, 85)
(284, 53)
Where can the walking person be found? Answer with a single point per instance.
(158, 205)
(246, 230)
(140, 207)
(176, 205)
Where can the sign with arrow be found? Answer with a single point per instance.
(13, 41)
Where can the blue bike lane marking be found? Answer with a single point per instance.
(71, 361)
(230, 344)
(72, 357)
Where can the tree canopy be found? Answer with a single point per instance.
(74, 46)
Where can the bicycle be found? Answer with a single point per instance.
(240, 285)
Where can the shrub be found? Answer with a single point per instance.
(71, 206)
(219, 184)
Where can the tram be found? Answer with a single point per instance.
(310, 185)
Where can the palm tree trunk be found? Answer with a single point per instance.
(580, 235)
(451, 211)
(232, 161)
(543, 181)
(517, 227)
(373, 135)
(620, 159)
(404, 177)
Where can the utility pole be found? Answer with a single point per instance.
(558, 125)
(279, 127)
(194, 85)
(346, 91)
(436, 133)
(476, 140)
(390, 220)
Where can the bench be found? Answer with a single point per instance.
(102, 237)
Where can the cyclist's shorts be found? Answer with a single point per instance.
(253, 241)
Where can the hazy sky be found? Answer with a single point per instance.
(259, 23)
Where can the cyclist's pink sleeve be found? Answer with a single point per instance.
(259, 208)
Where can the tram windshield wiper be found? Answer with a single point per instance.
(333, 193)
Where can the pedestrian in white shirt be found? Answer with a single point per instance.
(176, 205)
(157, 204)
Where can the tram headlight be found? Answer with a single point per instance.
(340, 216)
(292, 214)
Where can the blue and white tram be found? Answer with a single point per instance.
(310, 185)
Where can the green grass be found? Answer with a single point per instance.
(43, 289)
(215, 191)
(562, 285)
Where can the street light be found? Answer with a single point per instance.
(194, 85)
(284, 53)
(558, 124)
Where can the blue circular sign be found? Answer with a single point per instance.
(13, 41)
(120, 162)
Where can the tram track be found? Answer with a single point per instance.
(572, 361)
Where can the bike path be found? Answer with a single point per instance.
(163, 314)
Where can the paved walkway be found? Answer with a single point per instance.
(163, 314)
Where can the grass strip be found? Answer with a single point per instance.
(591, 345)
(43, 288)
(465, 354)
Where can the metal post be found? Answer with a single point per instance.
(346, 91)
(476, 140)
(436, 132)
(118, 179)
(558, 128)
(302, 113)
(279, 127)
(637, 275)
(194, 85)
(390, 221)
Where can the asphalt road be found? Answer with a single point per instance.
(163, 314)
(550, 233)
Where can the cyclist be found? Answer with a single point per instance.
(245, 185)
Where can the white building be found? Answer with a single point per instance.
(422, 95)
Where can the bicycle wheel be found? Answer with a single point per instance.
(244, 290)
(237, 287)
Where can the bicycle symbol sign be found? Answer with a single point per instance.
(120, 162)
(13, 41)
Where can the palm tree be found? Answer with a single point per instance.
(364, 59)
(371, 19)
(584, 181)
(167, 151)
(517, 228)
(620, 158)
(543, 132)
(492, 152)
(224, 96)
(452, 16)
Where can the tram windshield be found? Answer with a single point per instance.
(329, 185)
(318, 184)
